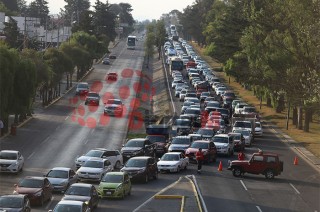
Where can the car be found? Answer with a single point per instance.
(38, 189)
(92, 98)
(113, 107)
(172, 162)
(239, 141)
(113, 156)
(141, 168)
(112, 76)
(195, 137)
(248, 138)
(208, 148)
(112, 56)
(71, 205)
(106, 61)
(267, 164)
(246, 125)
(182, 126)
(115, 185)
(15, 202)
(248, 110)
(206, 133)
(94, 169)
(82, 88)
(220, 90)
(204, 95)
(239, 107)
(83, 192)
(138, 147)
(258, 131)
(61, 178)
(179, 143)
(11, 161)
(224, 144)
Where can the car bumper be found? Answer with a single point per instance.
(223, 151)
(9, 170)
(168, 169)
(57, 188)
(110, 193)
(89, 177)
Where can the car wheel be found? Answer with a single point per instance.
(236, 172)
(117, 165)
(269, 174)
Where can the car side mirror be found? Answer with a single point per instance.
(122, 145)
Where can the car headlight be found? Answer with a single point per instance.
(119, 187)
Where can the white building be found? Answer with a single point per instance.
(2, 20)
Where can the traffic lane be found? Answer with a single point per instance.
(303, 178)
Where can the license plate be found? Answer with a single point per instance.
(108, 193)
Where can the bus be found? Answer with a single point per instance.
(175, 63)
(131, 42)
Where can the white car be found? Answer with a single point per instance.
(239, 107)
(173, 162)
(258, 131)
(11, 161)
(224, 144)
(94, 169)
(246, 134)
(220, 90)
(113, 107)
(113, 156)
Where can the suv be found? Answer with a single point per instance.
(141, 168)
(267, 164)
(138, 147)
(224, 144)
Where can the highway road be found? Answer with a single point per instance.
(62, 132)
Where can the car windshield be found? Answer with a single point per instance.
(111, 178)
(82, 86)
(205, 131)
(170, 157)
(258, 125)
(242, 124)
(192, 111)
(198, 145)
(113, 101)
(93, 164)
(245, 132)
(249, 109)
(223, 111)
(67, 208)
(136, 163)
(94, 153)
(135, 143)
(78, 191)
(11, 202)
(219, 139)
(93, 95)
(182, 122)
(58, 174)
(213, 104)
(160, 139)
(180, 141)
(8, 155)
(31, 183)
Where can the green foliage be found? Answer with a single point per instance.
(39, 9)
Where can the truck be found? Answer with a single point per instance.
(244, 118)
(159, 134)
(175, 64)
(138, 147)
(267, 164)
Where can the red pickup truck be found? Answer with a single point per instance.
(267, 164)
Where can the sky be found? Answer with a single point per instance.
(142, 9)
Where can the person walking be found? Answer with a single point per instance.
(199, 158)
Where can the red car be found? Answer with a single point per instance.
(208, 148)
(112, 76)
(38, 189)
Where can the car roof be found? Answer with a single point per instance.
(81, 185)
(172, 153)
(182, 136)
(34, 177)
(9, 151)
(14, 195)
(222, 135)
(61, 168)
(137, 139)
(202, 141)
(140, 158)
(115, 173)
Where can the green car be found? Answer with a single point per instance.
(115, 185)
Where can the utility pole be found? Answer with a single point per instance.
(25, 33)
(58, 32)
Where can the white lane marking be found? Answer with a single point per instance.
(294, 188)
(66, 118)
(49, 203)
(244, 186)
(31, 155)
(200, 194)
(259, 209)
(86, 141)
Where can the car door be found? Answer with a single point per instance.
(148, 148)
(151, 167)
(72, 177)
(107, 166)
(126, 183)
(182, 160)
(256, 165)
(110, 156)
(20, 160)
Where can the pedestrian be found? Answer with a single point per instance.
(241, 155)
(199, 158)
(1, 127)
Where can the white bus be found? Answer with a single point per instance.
(131, 42)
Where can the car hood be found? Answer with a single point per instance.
(5, 161)
(57, 181)
(109, 185)
(83, 158)
(220, 144)
(77, 198)
(131, 148)
(132, 168)
(89, 169)
(11, 209)
(23, 190)
(239, 162)
(178, 146)
(171, 163)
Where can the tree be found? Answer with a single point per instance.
(11, 32)
(10, 4)
(73, 9)
(39, 9)
(160, 35)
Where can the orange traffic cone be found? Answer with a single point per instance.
(295, 161)
(220, 167)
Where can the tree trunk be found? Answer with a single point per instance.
(269, 101)
(288, 116)
(300, 121)
(67, 88)
(307, 119)
(295, 116)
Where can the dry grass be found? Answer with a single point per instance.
(310, 140)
